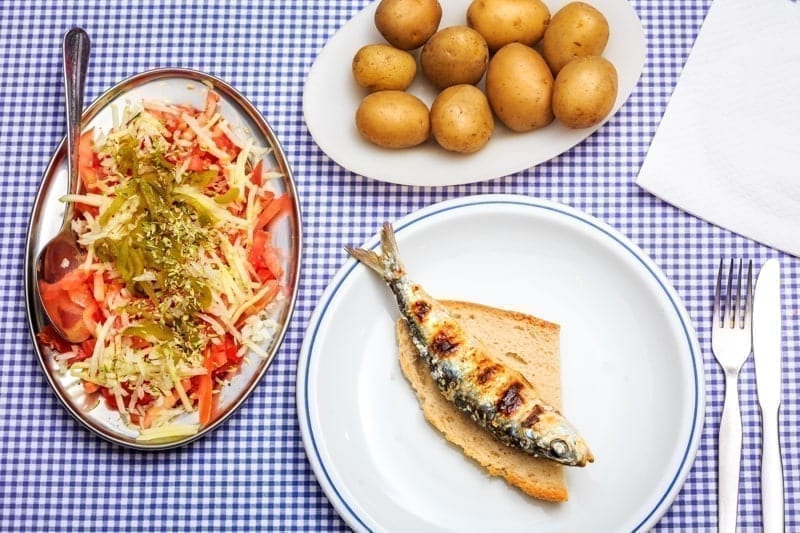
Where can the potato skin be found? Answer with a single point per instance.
(461, 119)
(407, 24)
(507, 21)
(380, 67)
(519, 86)
(585, 91)
(576, 30)
(453, 56)
(393, 119)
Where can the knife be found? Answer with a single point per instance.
(767, 355)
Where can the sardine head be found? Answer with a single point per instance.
(565, 446)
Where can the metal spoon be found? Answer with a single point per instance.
(62, 255)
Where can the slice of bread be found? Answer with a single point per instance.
(525, 343)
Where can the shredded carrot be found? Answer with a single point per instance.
(204, 390)
(278, 206)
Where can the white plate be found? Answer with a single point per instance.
(332, 97)
(631, 371)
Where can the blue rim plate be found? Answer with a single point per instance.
(632, 374)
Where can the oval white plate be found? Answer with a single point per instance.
(632, 374)
(332, 97)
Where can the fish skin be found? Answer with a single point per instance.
(495, 396)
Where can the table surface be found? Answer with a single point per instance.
(252, 473)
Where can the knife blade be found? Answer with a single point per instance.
(767, 355)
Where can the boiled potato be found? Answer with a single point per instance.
(519, 86)
(380, 67)
(393, 119)
(576, 30)
(585, 91)
(453, 56)
(407, 24)
(507, 21)
(461, 120)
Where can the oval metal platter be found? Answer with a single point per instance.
(179, 86)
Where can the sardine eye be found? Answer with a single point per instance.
(559, 448)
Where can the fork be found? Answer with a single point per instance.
(731, 342)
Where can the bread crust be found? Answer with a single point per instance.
(524, 342)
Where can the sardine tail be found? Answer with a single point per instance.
(389, 244)
(387, 263)
(368, 257)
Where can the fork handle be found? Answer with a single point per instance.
(730, 452)
(771, 474)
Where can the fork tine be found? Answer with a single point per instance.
(730, 310)
(741, 299)
(717, 317)
(748, 311)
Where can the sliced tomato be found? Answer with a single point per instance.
(87, 346)
(224, 143)
(111, 401)
(146, 399)
(272, 261)
(85, 350)
(264, 258)
(225, 355)
(88, 164)
(197, 162)
(70, 304)
(231, 350)
(67, 316)
(218, 356)
(256, 255)
(171, 121)
(255, 177)
(50, 337)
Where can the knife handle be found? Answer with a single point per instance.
(730, 454)
(771, 473)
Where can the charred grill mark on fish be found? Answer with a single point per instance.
(420, 309)
(445, 342)
(487, 374)
(511, 399)
(532, 417)
(495, 396)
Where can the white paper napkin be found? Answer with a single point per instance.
(728, 147)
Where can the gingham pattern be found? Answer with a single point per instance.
(252, 473)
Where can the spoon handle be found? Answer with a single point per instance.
(76, 61)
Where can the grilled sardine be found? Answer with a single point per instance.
(496, 397)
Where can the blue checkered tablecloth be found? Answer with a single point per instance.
(252, 473)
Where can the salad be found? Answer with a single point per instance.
(180, 279)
